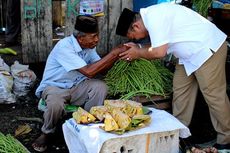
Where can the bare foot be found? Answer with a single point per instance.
(210, 150)
(197, 150)
(40, 144)
(204, 150)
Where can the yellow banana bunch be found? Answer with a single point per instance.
(82, 116)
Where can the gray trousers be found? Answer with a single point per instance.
(211, 79)
(13, 20)
(90, 92)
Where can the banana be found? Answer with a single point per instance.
(8, 51)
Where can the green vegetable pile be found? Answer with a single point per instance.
(138, 78)
(8, 144)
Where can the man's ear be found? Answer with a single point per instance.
(136, 26)
(79, 39)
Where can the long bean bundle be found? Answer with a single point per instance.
(8, 144)
(138, 78)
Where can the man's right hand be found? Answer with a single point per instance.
(119, 49)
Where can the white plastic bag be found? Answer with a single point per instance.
(24, 79)
(6, 83)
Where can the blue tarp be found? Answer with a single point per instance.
(137, 4)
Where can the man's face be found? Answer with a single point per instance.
(135, 35)
(89, 40)
(137, 31)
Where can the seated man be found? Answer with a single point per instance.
(68, 75)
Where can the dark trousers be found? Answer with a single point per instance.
(13, 20)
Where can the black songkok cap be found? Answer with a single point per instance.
(124, 22)
(86, 23)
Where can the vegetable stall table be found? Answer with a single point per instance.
(162, 135)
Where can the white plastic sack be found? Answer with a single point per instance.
(24, 79)
(6, 83)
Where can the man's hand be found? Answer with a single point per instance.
(135, 52)
(119, 49)
(131, 53)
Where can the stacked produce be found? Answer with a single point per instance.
(139, 78)
(118, 116)
(130, 108)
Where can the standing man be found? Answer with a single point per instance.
(13, 23)
(201, 50)
(69, 75)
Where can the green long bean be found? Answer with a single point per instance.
(139, 77)
(8, 144)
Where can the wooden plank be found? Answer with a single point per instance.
(108, 38)
(36, 24)
(127, 4)
(113, 13)
(57, 13)
(115, 9)
(72, 10)
(45, 31)
(28, 26)
(102, 47)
